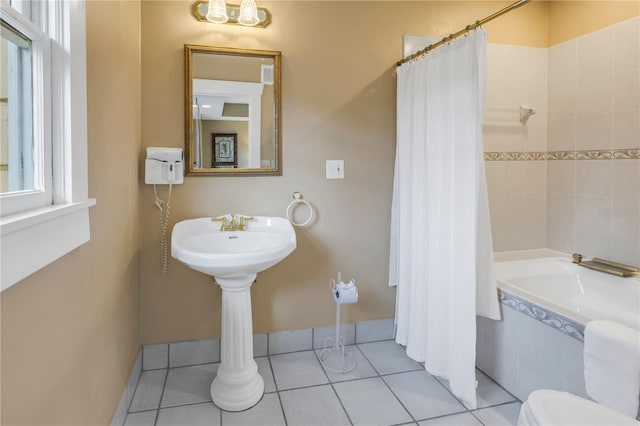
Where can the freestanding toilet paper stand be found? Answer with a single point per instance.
(333, 356)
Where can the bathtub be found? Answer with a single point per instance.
(546, 302)
(575, 293)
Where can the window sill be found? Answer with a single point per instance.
(32, 240)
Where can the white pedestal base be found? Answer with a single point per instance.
(237, 385)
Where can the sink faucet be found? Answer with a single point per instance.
(232, 222)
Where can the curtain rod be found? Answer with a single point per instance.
(463, 31)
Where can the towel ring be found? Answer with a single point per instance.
(297, 199)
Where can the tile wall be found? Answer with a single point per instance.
(516, 76)
(593, 205)
(192, 352)
(568, 179)
(523, 354)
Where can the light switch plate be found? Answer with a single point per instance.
(335, 169)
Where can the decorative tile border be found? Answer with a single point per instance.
(544, 315)
(514, 156)
(613, 154)
(561, 155)
(596, 154)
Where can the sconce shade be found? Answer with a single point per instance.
(229, 14)
(248, 13)
(217, 12)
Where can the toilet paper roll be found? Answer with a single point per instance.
(345, 293)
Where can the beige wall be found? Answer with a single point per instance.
(338, 93)
(338, 103)
(70, 332)
(571, 19)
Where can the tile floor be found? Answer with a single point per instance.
(386, 388)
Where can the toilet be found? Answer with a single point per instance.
(612, 380)
(554, 408)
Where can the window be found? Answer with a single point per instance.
(43, 148)
(26, 130)
(16, 138)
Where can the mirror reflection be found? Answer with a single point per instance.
(232, 111)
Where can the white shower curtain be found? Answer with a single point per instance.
(441, 256)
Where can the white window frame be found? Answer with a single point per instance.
(34, 235)
(14, 202)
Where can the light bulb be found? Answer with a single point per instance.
(217, 12)
(248, 13)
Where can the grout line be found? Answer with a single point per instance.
(455, 413)
(187, 404)
(333, 388)
(473, 412)
(134, 394)
(376, 341)
(188, 365)
(164, 387)
(399, 400)
(451, 393)
(156, 369)
(275, 384)
(495, 405)
(322, 384)
(449, 390)
(405, 371)
(476, 417)
(141, 411)
(290, 352)
(500, 386)
(307, 387)
(367, 358)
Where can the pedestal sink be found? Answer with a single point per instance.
(234, 258)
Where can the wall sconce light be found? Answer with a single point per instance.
(220, 12)
(217, 12)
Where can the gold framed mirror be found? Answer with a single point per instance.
(232, 111)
